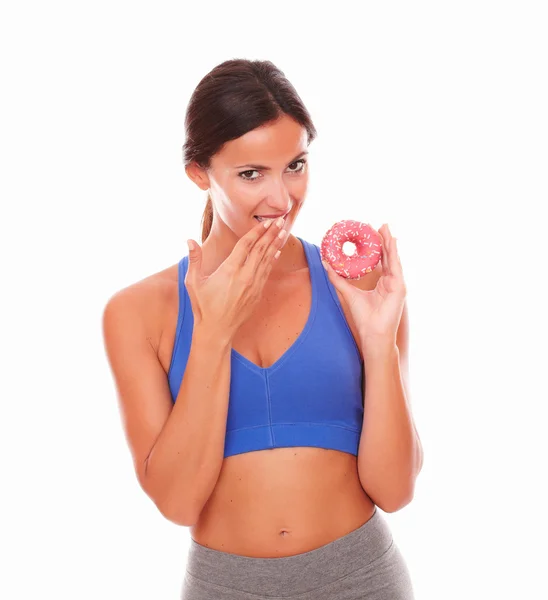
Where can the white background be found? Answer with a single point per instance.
(431, 117)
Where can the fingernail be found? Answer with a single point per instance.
(324, 265)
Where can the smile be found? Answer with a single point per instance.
(265, 218)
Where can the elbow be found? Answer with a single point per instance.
(172, 511)
(177, 517)
(404, 499)
(400, 503)
(177, 513)
(390, 500)
(181, 511)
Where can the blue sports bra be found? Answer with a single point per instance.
(311, 396)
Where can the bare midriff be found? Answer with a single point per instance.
(283, 501)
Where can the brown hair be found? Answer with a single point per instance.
(235, 97)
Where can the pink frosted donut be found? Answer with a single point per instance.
(368, 248)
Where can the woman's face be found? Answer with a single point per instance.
(263, 172)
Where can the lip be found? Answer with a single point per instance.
(273, 216)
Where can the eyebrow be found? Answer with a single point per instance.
(263, 168)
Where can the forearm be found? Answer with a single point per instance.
(390, 453)
(185, 462)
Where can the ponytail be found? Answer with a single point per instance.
(207, 218)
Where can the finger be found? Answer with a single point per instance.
(340, 283)
(266, 264)
(245, 244)
(392, 260)
(331, 273)
(194, 259)
(396, 267)
(260, 252)
(384, 256)
(388, 264)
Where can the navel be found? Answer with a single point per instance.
(284, 532)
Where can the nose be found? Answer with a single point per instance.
(279, 198)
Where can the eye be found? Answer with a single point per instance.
(302, 161)
(248, 178)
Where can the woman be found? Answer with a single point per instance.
(241, 371)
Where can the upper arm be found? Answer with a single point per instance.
(144, 398)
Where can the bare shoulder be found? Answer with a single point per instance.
(146, 301)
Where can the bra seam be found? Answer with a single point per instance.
(270, 424)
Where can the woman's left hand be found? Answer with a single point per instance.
(377, 312)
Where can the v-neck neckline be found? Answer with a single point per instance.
(311, 315)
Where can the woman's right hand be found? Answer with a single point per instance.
(227, 297)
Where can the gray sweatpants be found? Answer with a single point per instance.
(365, 564)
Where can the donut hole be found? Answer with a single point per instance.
(349, 248)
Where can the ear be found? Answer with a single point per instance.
(198, 175)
